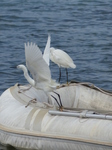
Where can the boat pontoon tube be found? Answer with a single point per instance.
(33, 127)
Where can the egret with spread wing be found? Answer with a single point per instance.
(38, 68)
(62, 59)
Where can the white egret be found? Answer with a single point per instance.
(38, 68)
(62, 59)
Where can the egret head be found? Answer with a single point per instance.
(22, 67)
(52, 49)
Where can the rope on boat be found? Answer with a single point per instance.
(97, 88)
(33, 100)
(88, 84)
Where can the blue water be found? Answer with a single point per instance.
(83, 29)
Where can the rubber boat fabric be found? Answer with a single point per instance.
(33, 127)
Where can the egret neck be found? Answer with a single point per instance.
(29, 79)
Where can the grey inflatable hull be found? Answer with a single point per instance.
(34, 127)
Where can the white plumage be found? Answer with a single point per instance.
(38, 68)
(46, 54)
(62, 59)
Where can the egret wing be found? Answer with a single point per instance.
(47, 50)
(61, 58)
(63, 55)
(35, 63)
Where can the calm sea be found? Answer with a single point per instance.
(81, 28)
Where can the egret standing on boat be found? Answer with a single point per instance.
(62, 59)
(38, 68)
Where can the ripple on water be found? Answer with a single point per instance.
(81, 28)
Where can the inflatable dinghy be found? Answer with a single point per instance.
(31, 120)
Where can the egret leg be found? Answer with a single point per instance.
(59, 74)
(59, 104)
(59, 98)
(56, 101)
(67, 75)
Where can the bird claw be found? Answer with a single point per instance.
(68, 83)
(61, 108)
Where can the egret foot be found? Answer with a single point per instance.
(61, 108)
(57, 87)
(68, 83)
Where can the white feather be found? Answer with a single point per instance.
(36, 64)
(47, 50)
(38, 68)
(61, 58)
